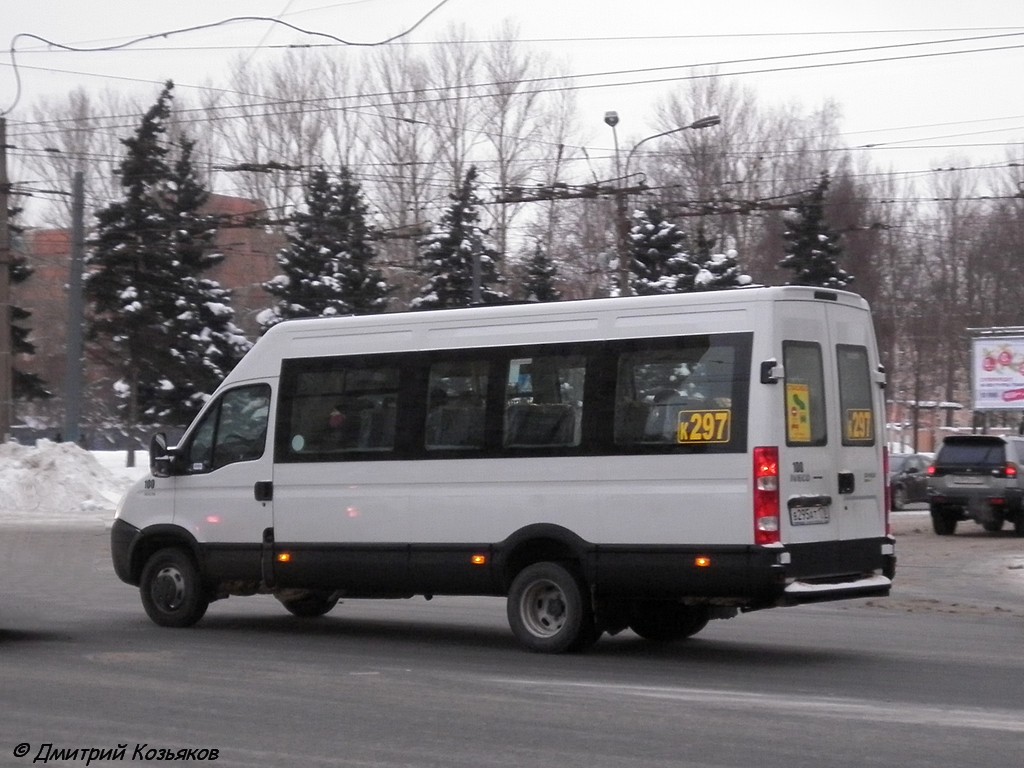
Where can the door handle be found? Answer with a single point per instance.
(264, 490)
(847, 483)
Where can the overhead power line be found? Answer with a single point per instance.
(196, 28)
(460, 91)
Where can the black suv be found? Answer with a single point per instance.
(977, 477)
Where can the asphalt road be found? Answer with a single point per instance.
(931, 677)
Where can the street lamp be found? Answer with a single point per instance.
(612, 119)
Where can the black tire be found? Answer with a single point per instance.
(550, 611)
(943, 522)
(993, 526)
(663, 623)
(899, 497)
(310, 606)
(1018, 525)
(171, 589)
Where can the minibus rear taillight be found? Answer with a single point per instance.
(766, 495)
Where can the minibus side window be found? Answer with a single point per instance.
(804, 394)
(855, 395)
(233, 430)
(456, 405)
(340, 408)
(544, 401)
(680, 395)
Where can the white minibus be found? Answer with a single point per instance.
(648, 463)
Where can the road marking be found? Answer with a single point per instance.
(815, 706)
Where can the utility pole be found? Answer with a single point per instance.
(6, 357)
(74, 375)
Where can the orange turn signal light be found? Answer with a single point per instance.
(284, 557)
(478, 559)
(702, 561)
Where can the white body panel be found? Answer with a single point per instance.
(625, 500)
(629, 499)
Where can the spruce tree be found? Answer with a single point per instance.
(206, 342)
(458, 259)
(327, 266)
(812, 249)
(164, 328)
(541, 275)
(129, 279)
(716, 269)
(24, 385)
(660, 263)
(362, 283)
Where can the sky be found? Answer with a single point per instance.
(922, 104)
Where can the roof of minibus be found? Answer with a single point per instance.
(403, 331)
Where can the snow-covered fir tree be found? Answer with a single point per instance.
(206, 342)
(129, 282)
(24, 385)
(812, 249)
(362, 282)
(154, 320)
(328, 265)
(715, 269)
(659, 261)
(541, 276)
(457, 258)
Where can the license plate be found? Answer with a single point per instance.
(809, 515)
(966, 480)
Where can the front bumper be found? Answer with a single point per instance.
(123, 537)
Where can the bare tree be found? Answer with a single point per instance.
(759, 159)
(513, 119)
(954, 255)
(402, 160)
(80, 133)
(455, 109)
(276, 129)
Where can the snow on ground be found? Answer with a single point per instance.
(62, 484)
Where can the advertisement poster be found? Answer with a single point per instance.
(997, 371)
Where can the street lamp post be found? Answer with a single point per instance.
(621, 218)
(612, 119)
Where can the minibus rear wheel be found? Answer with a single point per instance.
(172, 592)
(549, 609)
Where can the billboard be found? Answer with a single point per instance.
(997, 373)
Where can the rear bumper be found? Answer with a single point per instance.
(749, 577)
(802, 592)
(967, 496)
(838, 570)
(980, 504)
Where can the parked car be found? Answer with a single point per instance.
(977, 477)
(908, 478)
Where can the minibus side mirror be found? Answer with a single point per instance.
(161, 458)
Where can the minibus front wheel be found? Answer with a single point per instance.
(549, 609)
(171, 589)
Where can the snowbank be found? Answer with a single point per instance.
(61, 484)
